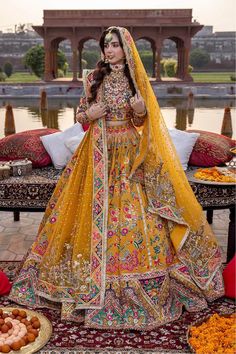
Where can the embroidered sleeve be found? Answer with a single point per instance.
(138, 119)
(81, 115)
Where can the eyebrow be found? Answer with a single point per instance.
(113, 42)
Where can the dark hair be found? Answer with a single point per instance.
(102, 69)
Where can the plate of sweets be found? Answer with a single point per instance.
(213, 175)
(23, 331)
(213, 334)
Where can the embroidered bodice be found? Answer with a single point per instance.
(116, 96)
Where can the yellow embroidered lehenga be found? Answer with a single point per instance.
(123, 242)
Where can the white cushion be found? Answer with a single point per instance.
(73, 142)
(54, 144)
(184, 143)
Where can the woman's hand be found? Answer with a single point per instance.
(96, 111)
(137, 103)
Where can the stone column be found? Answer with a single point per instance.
(186, 54)
(158, 61)
(80, 61)
(47, 63)
(54, 61)
(74, 59)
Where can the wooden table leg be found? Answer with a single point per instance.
(231, 235)
(210, 216)
(16, 214)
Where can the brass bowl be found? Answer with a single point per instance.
(199, 323)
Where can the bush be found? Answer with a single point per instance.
(147, 59)
(60, 73)
(8, 69)
(170, 67)
(3, 77)
(232, 77)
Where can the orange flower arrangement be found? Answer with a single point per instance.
(217, 335)
(215, 174)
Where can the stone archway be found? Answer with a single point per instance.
(156, 25)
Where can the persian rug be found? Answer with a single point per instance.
(72, 338)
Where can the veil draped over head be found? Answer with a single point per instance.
(168, 191)
(70, 250)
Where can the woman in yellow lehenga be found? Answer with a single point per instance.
(123, 242)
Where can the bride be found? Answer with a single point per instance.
(123, 243)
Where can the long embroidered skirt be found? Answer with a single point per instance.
(146, 284)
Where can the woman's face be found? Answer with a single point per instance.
(113, 51)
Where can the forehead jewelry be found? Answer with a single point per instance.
(108, 37)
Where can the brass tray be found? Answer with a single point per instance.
(191, 178)
(44, 333)
(198, 323)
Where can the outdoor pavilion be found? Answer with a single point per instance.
(155, 26)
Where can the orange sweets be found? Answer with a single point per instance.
(216, 335)
(16, 330)
(215, 174)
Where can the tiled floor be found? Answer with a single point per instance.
(17, 237)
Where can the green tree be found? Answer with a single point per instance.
(8, 68)
(147, 59)
(34, 59)
(91, 57)
(199, 58)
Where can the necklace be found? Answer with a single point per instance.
(117, 67)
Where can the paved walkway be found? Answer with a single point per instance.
(17, 236)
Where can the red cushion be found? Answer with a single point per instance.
(26, 144)
(5, 285)
(229, 275)
(211, 149)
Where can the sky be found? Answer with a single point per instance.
(219, 13)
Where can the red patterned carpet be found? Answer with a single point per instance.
(72, 338)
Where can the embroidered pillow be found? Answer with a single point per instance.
(26, 144)
(211, 149)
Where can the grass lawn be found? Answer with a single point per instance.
(21, 77)
(224, 77)
(212, 77)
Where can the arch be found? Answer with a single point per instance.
(81, 54)
(151, 41)
(152, 25)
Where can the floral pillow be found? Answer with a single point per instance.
(28, 145)
(211, 149)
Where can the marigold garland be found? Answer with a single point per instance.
(214, 174)
(217, 335)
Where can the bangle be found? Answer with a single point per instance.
(141, 115)
(88, 116)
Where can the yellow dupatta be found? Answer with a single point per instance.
(166, 185)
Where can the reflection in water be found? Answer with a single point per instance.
(43, 100)
(226, 128)
(181, 118)
(202, 114)
(190, 114)
(50, 118)
(34, 111)
(9, 121)
(190, 108)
